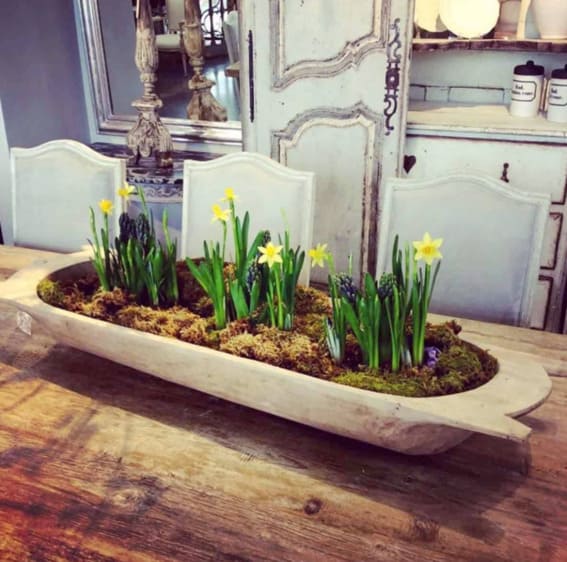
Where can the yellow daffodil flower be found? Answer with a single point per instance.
(220, 214)
(126, 191)
(229, 195)
(106, 206)
(428, 249)
(270, 254)
(319, 255)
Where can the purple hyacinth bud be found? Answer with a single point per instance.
(431, 356)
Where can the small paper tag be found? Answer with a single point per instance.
(24, 322)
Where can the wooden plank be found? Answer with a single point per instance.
(102, 463)
(13, 258)
(452, 44)
(424, 116)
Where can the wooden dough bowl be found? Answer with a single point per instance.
(414, 426)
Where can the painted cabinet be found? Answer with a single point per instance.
(326, 91)
(458, 120)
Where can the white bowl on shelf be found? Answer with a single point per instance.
(469, 18)
(427, 16)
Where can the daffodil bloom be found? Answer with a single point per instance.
(106, 206)
(220, 214)
(270, 254)
(319, 255)
(126, 191)
(229, 195)
(428, 249)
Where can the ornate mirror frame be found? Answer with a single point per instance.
(107, 122)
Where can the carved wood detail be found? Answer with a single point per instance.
(350, 55)
(359, 115)
(148, 136)
(203, 106)
(393, 75)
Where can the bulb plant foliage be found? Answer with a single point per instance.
(136, 262)
(285, 264)
(263, 280)
(387, 318)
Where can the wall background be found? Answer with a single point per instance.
(41, 85)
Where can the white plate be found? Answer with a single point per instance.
(469, 18)
(427, 15)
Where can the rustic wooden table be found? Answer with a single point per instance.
(99, 462)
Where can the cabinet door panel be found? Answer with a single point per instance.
(542, 297)
(324, 88)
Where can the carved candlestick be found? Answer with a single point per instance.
(149, 135)
(203, 105)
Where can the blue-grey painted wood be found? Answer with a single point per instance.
(41, 87)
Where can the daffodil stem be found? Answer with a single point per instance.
(224, 229)
(421, 295)
(281, 303)
(235, 233)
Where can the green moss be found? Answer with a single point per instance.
(401, 386)
(289, 350)
(461, 366)
(458, 359)
(104, 305)
(311, 325)
(50, 292)
(312, 301)
(175, 322)
(442, 336)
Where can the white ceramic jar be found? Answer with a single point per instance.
(557, 96)
(526, 89)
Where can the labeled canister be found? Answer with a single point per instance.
(526, 89)
(557, 96)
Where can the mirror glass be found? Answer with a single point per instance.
(110, 38)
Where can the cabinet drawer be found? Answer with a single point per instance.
(531, 167)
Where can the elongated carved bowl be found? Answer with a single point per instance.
(408, 425)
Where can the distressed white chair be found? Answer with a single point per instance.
(232, 41)
(276, 197)
(53, 186)
(492, 242)
(231, 36)
(172, 39)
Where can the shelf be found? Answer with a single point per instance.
(536, 45)
(481, 121)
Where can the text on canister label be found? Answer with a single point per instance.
(524, 90)
(558, 94)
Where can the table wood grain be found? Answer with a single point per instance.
(100, 462)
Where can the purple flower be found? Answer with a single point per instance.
(431, 356)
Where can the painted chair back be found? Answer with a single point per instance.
(276, 197)
(53, 186)
(493, 236)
